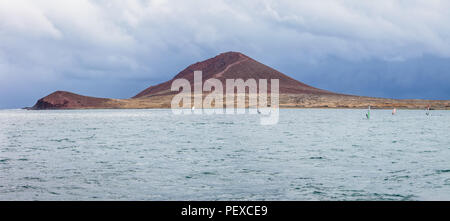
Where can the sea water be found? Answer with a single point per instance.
(311, 154)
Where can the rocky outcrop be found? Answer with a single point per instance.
(68, 100)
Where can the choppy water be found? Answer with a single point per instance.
(155, 155)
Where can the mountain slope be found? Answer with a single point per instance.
(64, 99)
(234, 65)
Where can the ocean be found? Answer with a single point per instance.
(311, 154)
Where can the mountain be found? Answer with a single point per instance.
(233, 65)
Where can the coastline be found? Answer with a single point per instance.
(66, 100)
(281, 107)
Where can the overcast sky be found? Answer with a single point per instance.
(396, 49)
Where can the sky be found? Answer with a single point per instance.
(109, 48)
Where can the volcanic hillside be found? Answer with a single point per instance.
(234, 65)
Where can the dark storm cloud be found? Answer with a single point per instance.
(395, 49)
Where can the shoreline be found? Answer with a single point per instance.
(299, 108)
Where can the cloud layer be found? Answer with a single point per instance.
(117, 48)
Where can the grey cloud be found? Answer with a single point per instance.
(125, 46)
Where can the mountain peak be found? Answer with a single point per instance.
(233, 65)
(214, 64)
(231, 53)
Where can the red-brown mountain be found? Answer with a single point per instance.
(232, 65)
(68, 100)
